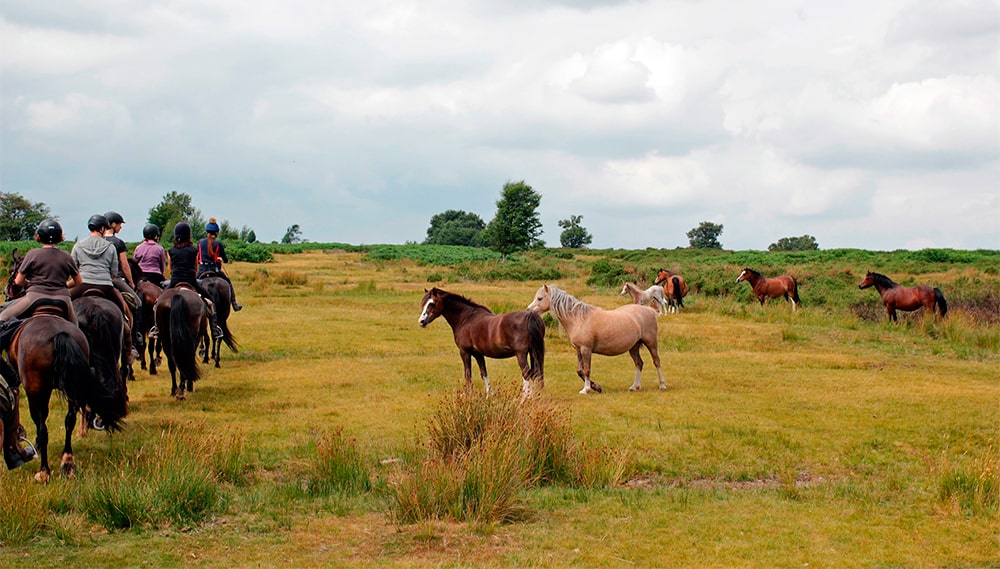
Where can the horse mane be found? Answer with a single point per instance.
(752, 272)
(562, 302)
(883, 280)
(462, 300)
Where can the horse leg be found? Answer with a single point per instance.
(891, 312)
(481, 362)
(583, 356)
(68, 465)
(637, 358)
(654, 354)
(38, 406)
(177, 391)
(527, 375)
(217, 351)
(467, 367)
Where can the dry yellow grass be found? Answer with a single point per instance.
(781, 441)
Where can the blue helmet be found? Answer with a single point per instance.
(212, 226)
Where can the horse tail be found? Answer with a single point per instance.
(536, 348)
(939, 300)
(227, 336)
(104, 332)
(795, 291)
(74, 378)
(182, 341)
(678, 297)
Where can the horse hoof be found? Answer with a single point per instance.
(634, 388)
(42, 477)
(663, 388)
(68, 467)
(596, 387)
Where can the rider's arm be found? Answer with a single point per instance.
(20, 279)
(77, 280)
(126, 269)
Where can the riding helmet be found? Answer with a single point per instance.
(212, 226)
(150, 231)
(49, 232)
(182, 232)
(98, 222)
(114, 217)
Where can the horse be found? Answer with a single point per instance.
(51, 353)
(181, 320)
(765, 288)
(479, 333)
(104, 326)
(908, 298)
(593, 330)
(219, 294)
(651, 294)
(674, 287)
(149, 292)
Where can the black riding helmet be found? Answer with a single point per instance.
(182, 232)
(150, 231)
(49, 232)
(114, 217)
(98, 222)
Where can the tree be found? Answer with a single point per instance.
(515, 226)
(574, 235)
(705, 236)
(804, 243)
(174, 208)
(19, 217)
(292, 235)
(455, 227)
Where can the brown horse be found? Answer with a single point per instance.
(765, 288)
(898, 297)
(479, 333)
(593, 330)
(104, 326)
(50, 353)
(674, 287)
(219, 294)
(181, 320)
(149, 292)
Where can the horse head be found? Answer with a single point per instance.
(746, 274)
(542, 301)
(432, 306)
(11, 290)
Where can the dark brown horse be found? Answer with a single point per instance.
(104, 326)
(181, 320)
(148, 293)
(481, 334)
(219, 294)
(765, 288)
(674, 287)
(50, 353)
(898, 297)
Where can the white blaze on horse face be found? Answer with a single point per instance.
(624, 290)
(425, 318)
(740, 278)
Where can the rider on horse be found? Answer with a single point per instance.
(98, 261)
(183, 261)
(44, 273)
(211, 256)
(123, 279)
(151, 256)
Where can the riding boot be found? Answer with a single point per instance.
(13, 453)
(212, 320)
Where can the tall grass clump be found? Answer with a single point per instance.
(169, 481)
(339, 466)
(974, 490)
(23, 511)
(290, 278)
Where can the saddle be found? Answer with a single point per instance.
(53, 306)
(208, 274)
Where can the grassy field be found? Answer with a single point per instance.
(820, 438)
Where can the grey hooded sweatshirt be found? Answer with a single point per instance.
(97, 260)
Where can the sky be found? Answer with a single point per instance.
(869, 124)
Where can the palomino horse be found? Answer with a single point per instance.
(103, 324)
(764, 288)
(479, 333)
(674, 286)
(50, 353)
(650, 295)
(906, 298)
(181, 320)
(219, 294)
(593, 330)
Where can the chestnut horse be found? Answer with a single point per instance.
(765, 288)
(181, 320)
(50, 353)
(481, 334)
(674, 286)
(219, 294)
(898, 297)
(593, 330)
(644, 297)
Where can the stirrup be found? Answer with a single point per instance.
(153, 332)
(217, 331)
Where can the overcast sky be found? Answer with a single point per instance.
(872, 124)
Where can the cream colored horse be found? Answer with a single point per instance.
(593, 330)
(644, 297)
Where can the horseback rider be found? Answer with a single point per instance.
(97, 260)
(183, 260)
(211, 256)
(151, 256)
(44, 273)
(122, 279)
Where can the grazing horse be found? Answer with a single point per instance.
(104, 326)
(479, 333)
(651, 294)
(219, 294)
(765, 288)
(50, 353)
(906, 298)
(675, 288)
(593, 330)
(181, 320)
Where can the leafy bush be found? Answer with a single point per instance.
(249, 252)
